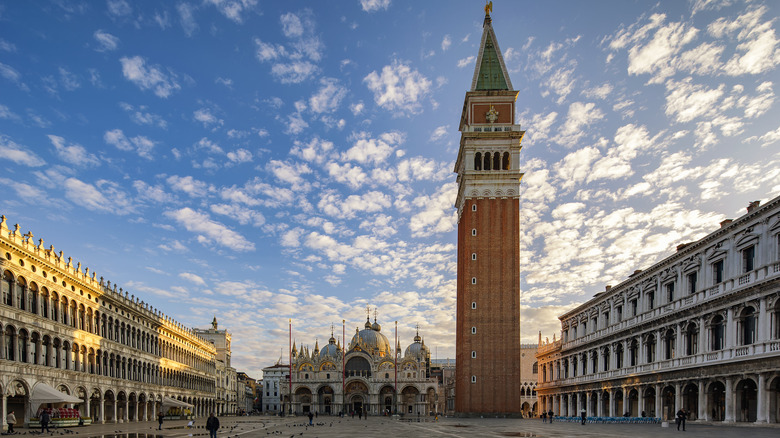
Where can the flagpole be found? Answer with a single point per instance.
(395, 369)
(343, 353)
(290, 357)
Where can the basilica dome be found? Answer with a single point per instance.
(331, 349)
(417, 349)
(371, 340)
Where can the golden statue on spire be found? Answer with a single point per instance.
(488, 7)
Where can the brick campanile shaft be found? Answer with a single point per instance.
(488, 284)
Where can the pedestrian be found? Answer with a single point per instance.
(311, 419)
(544, 417)
(360, 415)
(353, 414)
(44, 419)
(159, 420)
(681, 416)
(316, 414)
(212, 424)
(583, 416)
(11, 420)
(550, 414)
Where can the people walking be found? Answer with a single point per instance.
(550, 414)
(212, 424)
(544, 417)
(583, 416)
(681, 416)
(160, 417)
(44, 418)
(311, 419)
(11, 420)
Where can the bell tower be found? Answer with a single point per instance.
(488, 283)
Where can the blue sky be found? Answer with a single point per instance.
(266, 160)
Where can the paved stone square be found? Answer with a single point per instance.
(334, 427)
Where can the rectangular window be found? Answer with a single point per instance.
(595, 324)
(473, 231)
(473, 256)
(650, 300)
(473, 330)
(473, 304)
(619, 313)
(748, 257)
(669, 292)
(473, 207)
(634, 306)
(473, 354)
(692, 277)
(606, 319)
(473, 280)
(575, 332)
(717, 272)
(473, 380)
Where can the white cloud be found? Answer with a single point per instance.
(656, 56)
(373, 150)
(580, 116)
(294, 72)
(140, 144)
(73, 154)
(328, 97)
(436, 215)
(188, 185)
(465, 62)
(147, 78)
(600, 92)
(107, 41)
(317, 150)
(686, 101)
(374, 5)
(119, 8)
(439, 133)
(240, 156)
(187, 18)
(233, 9)
(18, 154)
(757, 42)
(105, 196)
(398, 88)
(205, 116)
(208, 230)
(291, 25)
(193, 278)
(446, 42)
(332, 204)
(289, 173)
(142, 117)
(357, 108)
(348, 174)
(239, 213)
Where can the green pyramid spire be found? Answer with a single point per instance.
(490, 72)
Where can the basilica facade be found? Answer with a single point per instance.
(699, 330)
(369, 377)
(64, 328)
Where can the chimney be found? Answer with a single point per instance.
(682, 245)
(752, 206)
(609, 286)
(726, 223)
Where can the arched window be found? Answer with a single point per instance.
(619, 356)
(691, 339)
(669, 344)
(32, 299)
(10, 343)
(7, 287)
(478, 161)
(633, 353)
(497, 161)
(21, 293)
(505, 162)
(536, 368)
(486, 165)
(717, 333)
(747, 326)
(650, 349)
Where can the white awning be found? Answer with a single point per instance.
(173, 403)
(43, 393)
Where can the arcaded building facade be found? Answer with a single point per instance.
(65, 327)
(371, 377)
(488, 379)
(699, 330)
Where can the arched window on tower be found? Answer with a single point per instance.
(505, 162)
(478, 161)
(487, 161)
(497, 161)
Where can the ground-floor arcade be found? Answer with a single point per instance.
(744, 397)
(363, 397)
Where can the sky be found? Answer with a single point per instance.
(266, 161)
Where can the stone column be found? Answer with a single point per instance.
(612, 403)
(703, 414)
(116, 402)
(677, 397)
(730, 397)
(102, 410)
(763, 324)
(658, 401)
(730, 330)
(4, 404)
(88, 399)
(761, 408)
(640, 401)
